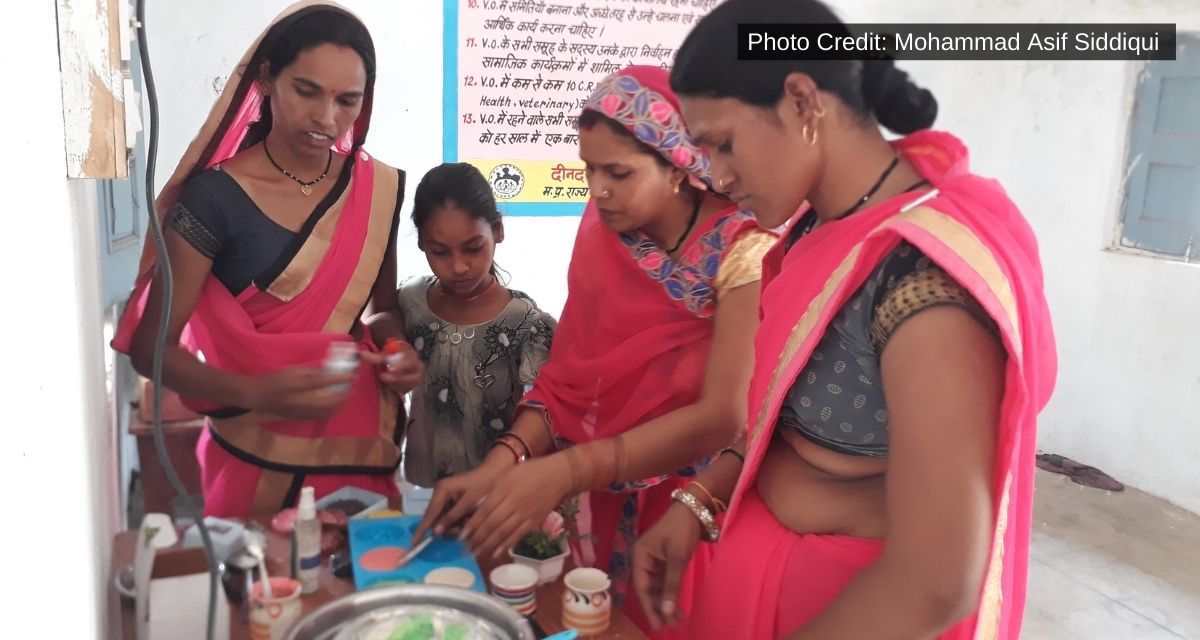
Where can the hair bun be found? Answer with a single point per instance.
(897, 102)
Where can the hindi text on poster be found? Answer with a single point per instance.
(518, 72)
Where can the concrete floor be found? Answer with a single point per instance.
(1124, 566)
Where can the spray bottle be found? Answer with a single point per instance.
(394, 351)
(307, 543)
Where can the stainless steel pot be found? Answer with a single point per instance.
(343, 617)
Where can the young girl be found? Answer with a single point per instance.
(652, 362)
(482, 344)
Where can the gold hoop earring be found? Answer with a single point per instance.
(804, 134)
(820, 113)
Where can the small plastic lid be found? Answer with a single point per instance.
(342, 350)
(392, 347)
(308, 504)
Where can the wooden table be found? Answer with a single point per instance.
(121, 623)
(180, 439)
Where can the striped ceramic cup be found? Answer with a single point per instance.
(587, 606)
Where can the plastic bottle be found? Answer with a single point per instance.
(341, 359)
(307, 534)
(415, 498)
(394, 352)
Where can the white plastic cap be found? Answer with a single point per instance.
(308, 504)
(342, 350)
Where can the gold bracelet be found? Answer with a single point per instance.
(711, 531)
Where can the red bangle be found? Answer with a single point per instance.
(717, 505)
(517, 459)
(524, 445)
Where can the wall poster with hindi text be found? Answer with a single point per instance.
(517, 73)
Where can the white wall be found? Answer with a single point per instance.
(54, 453)
(1053, 132)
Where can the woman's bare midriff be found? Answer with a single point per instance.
(811, 489)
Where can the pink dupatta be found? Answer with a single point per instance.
(253, 463)
(973, 231)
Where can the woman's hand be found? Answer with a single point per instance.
(659, 558)
(454, 498)
(299, 393)
(405, 376)
(518, 503)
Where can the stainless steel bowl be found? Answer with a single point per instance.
(349, 612)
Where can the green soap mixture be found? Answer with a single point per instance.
(415, 628)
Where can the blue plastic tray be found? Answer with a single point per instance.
(374, 533)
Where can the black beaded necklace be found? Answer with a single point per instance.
(305, 187)
(691, 223)
(802, 229)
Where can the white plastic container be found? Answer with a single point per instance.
(416, 499)
(548, 570)
(226, 536)
(393, 360)
(341, 359)
(373, 501)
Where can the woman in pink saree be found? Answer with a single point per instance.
(281, 232)
(904, 353)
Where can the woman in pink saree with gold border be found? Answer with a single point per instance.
(317, 257)
(885, 487)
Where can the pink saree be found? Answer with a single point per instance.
(252, 463)
(767, 581)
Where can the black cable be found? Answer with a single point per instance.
(160, 338)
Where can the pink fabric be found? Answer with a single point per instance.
(256, 333)
(777, 580)
(227, 481)
(760, 602)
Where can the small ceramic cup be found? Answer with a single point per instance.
(270, 618)
(516, 585)
(587, 606)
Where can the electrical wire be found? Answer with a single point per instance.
(166, 281)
